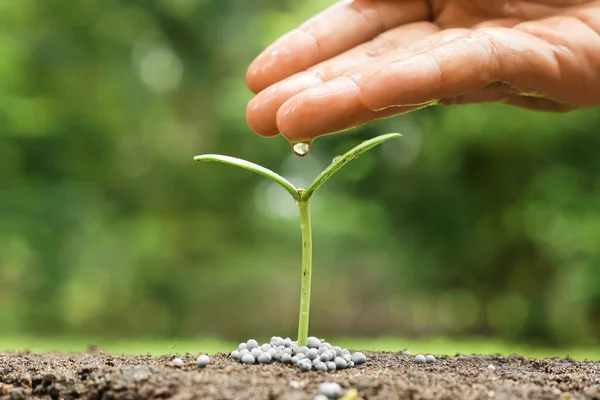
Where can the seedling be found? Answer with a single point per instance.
(302, 198)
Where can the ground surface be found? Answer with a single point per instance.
(95, 375)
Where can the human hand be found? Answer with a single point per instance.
(364, 60)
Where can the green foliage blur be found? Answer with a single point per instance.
(481, 220)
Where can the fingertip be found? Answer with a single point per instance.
(284, 120)
(318, 111)
(255, 78)
(328, 108)
(290, 123)
(260, 123)
(262, 109)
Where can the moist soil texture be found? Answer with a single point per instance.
(96, 375)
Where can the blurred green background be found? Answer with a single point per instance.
(482, 221)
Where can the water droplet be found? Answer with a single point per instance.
(336, 159)
(301, 149)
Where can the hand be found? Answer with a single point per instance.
(364, 60)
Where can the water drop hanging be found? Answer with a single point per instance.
(301, 149)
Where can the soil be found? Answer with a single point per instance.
(95, 375)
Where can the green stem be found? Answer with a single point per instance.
(304, 207)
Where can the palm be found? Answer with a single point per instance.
(371, 59)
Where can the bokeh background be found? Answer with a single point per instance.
(482, 221)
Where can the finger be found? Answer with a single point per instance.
(568, 73)
(262, 109)
(384, 45)
(331, 32)
(335, 105)
(464, 65)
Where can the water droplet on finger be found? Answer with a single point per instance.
(301, 149)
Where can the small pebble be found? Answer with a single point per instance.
(300, 356)
(430, 359)
(256, 352)
(325, 356)
(321, 367)
(491, 367)
(295, 360)
(264, 358)
(330, 389)
(286, 358)
(313, 342)
(242, 346)
(202, 361)
(340, 363)
(235, 355)
(243, 353)
(251, 344)
(420, 359)
(320, 397)
(305, 366)
(347, 357)
(277, 341)
(331, 366)
(287, 351)
(316, 361)
(265, 347)
(287, 342)
(248, 359)
(302, 349)
(178, 362)
(359, 358)
(312, 354)
(338, 351)
(406, 353)
(345, 352)
(271, 352)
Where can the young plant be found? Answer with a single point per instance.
(302, 197)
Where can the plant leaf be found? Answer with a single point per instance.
(339, 162)
(238, 162)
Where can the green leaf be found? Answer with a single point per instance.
(339, 162)
(287, 185)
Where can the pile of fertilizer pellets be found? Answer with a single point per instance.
(317, 355)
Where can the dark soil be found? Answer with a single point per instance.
(96, 375)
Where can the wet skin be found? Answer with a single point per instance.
(363, 60)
